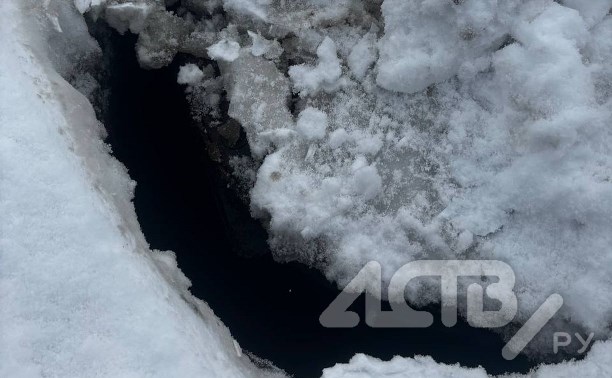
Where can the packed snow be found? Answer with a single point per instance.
(81, 294)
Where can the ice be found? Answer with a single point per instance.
(258, 93)
(262, 46)
(82, 295)
(160, 39)
(290, 16)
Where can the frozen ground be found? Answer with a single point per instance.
(81, 294)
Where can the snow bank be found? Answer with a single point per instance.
(81, 294)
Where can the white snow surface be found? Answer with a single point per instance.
(81, 294)
(597, 364)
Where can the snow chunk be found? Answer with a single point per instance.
(312, 123)
(226, 50)
(190, 74)
(338, 137)
(308, 80)
(159, 41)
(130, 15)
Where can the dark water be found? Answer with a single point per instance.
(271, 309)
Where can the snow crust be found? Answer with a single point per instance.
(81, 294)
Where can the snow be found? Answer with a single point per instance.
(325, 75)
(593, 11)
(596, 364)
(81, 293)
(312, 124)
(426, 41)
(190, 74)
(225, 50)
(128, 16)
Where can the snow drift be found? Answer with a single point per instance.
(81, 294)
